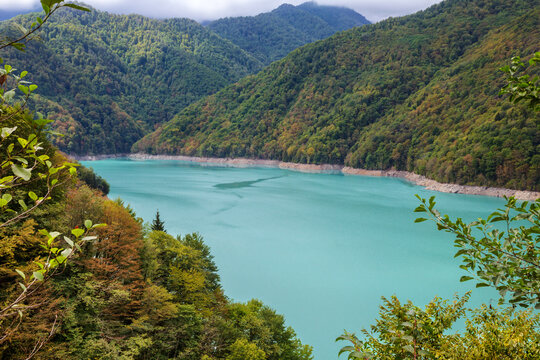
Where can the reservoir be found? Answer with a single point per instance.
(321, 249)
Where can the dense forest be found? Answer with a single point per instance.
(8, 14)
(270, 36)
(81, 276)
(416, 93)
(132, 294)
(126, 291)
(107, 79)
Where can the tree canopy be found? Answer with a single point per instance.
(415, 93)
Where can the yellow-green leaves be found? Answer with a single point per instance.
(5, 199)
(77, 232)
(38, 275)
(21, 274)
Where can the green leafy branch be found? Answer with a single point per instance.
(7, 96)
(24, 164)
(49, 7)
(506, 257)
(522, 87)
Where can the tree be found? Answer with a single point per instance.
(492, 334)
(183, 266)
(405, 331)
(260, 325)
(157, 224)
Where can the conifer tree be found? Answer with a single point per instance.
(157, 224)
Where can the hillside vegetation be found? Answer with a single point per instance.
(109, 79)
(81, 276)
(117, 77)
(270, 36)
(416, 93)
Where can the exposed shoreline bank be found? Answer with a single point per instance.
(328, 168)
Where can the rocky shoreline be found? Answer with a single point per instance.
(328, 168)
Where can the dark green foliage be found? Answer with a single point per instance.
(270, 36)
(416, 93)
(93, 180)
(157, 224)
(108, 79)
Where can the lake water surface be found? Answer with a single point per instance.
(320, 249)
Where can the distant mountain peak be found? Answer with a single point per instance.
(285, 5)
(272, 35)
(312, 4)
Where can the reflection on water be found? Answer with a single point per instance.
(243, 184)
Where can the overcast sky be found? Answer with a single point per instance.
(373, 10)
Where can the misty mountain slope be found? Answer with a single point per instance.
(270, 36)
(416, 93)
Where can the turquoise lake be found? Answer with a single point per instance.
(321, 249)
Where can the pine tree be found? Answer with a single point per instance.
(157, 224)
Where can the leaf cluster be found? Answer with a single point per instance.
(404, 331)
(522, 88)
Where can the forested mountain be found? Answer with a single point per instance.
(128, 292)
(108, 79)
(81, 276)
(416, 93)
(117, 77)
(270, 36)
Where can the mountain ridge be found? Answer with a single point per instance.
(118, 77)
(272, 35)
(346, 99)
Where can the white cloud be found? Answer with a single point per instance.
(18, 5)
(374, 10)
